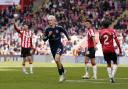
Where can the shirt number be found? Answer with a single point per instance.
(105, 39)
(58, 50)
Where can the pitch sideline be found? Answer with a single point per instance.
(97, 82)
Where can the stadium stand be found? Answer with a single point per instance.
(70, 14)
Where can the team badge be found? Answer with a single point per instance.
(57, 31)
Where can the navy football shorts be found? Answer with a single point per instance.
(57, 50)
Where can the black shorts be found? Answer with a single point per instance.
(90, 52)
(25, 52)
(110, 57)
(57, 50)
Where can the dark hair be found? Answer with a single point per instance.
(24, 23)
(29, 25)
(88, 21)
(106, 23)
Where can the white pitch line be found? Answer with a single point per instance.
(107, 79)
(104, 79)
(8, 69)
(82, 81)
(122, 78)
(97, 82)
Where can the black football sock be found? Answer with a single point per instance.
(60, 71)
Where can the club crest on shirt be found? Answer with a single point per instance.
(57, 31)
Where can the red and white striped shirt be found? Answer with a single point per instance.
(26, 38)
(90, 39)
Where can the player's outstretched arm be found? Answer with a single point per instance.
(16, 28)
(14, 22)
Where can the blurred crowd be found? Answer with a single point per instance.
(70, 14)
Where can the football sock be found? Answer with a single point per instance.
(60, 71)
(114, 69)
(23, 68)
(86, 68)
(31, 69)
(109, 72)
(94, 70)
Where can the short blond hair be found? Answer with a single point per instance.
(50, 17)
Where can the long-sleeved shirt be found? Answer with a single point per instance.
(55, 37)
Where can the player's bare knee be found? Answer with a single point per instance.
(30, 61)
(57, 60)
(86, 62)
(93, 63)
(108, 65)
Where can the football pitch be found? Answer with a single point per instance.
(46, 77)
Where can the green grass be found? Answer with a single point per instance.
(46, 77)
